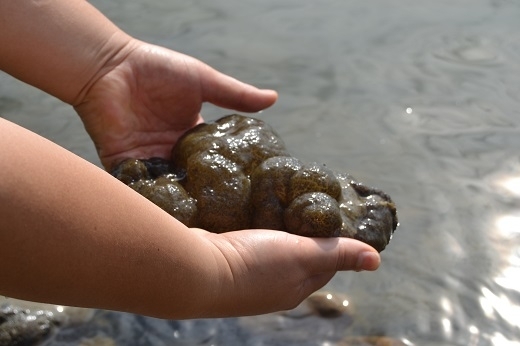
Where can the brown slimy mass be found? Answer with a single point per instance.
(236, 173)
(170, 196)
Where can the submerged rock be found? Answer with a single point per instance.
(236, 173)
(323, 304)
(370, 341)
(329, 304)
(19, 326)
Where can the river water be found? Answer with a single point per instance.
(418, 98)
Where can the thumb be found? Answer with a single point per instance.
(227, 92)
(339, 254)
(323, 257)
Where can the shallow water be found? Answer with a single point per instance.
(420, 99)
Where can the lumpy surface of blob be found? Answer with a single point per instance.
(236, 173)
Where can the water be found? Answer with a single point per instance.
(420, 99)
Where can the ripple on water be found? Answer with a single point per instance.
(468, 50)
(445, 119)
(9, 104)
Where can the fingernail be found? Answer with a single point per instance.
(367, 261)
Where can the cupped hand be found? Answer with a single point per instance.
(143, 102)
(139, 106)
(264, 271)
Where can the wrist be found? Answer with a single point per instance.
(107, 57)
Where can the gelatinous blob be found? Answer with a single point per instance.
(222, 191)
(170, 196)
(313, 214)
(368, 214)
(131, 170)
(245, 141)
(236, 173)
(270, 191)
(314, 178)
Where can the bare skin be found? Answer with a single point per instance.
(88, 240)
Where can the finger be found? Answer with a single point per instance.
(321, 258)
(227, 92)
(323, 255)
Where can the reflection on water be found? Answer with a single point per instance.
(418, 98)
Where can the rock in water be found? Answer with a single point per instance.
(20, 326)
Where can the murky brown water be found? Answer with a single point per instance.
(418, 98)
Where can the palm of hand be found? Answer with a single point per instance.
(142, 105)
(266, 270)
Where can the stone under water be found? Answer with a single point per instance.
(236, 173)
(20, 326)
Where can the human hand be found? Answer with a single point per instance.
(139, 108)
(146, 99)
(264, 271)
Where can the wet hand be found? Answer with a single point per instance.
(141, 104)
(263, 271)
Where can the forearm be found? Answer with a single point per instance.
(73, 235)
(59, 46)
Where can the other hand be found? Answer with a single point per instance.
(142, 103)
